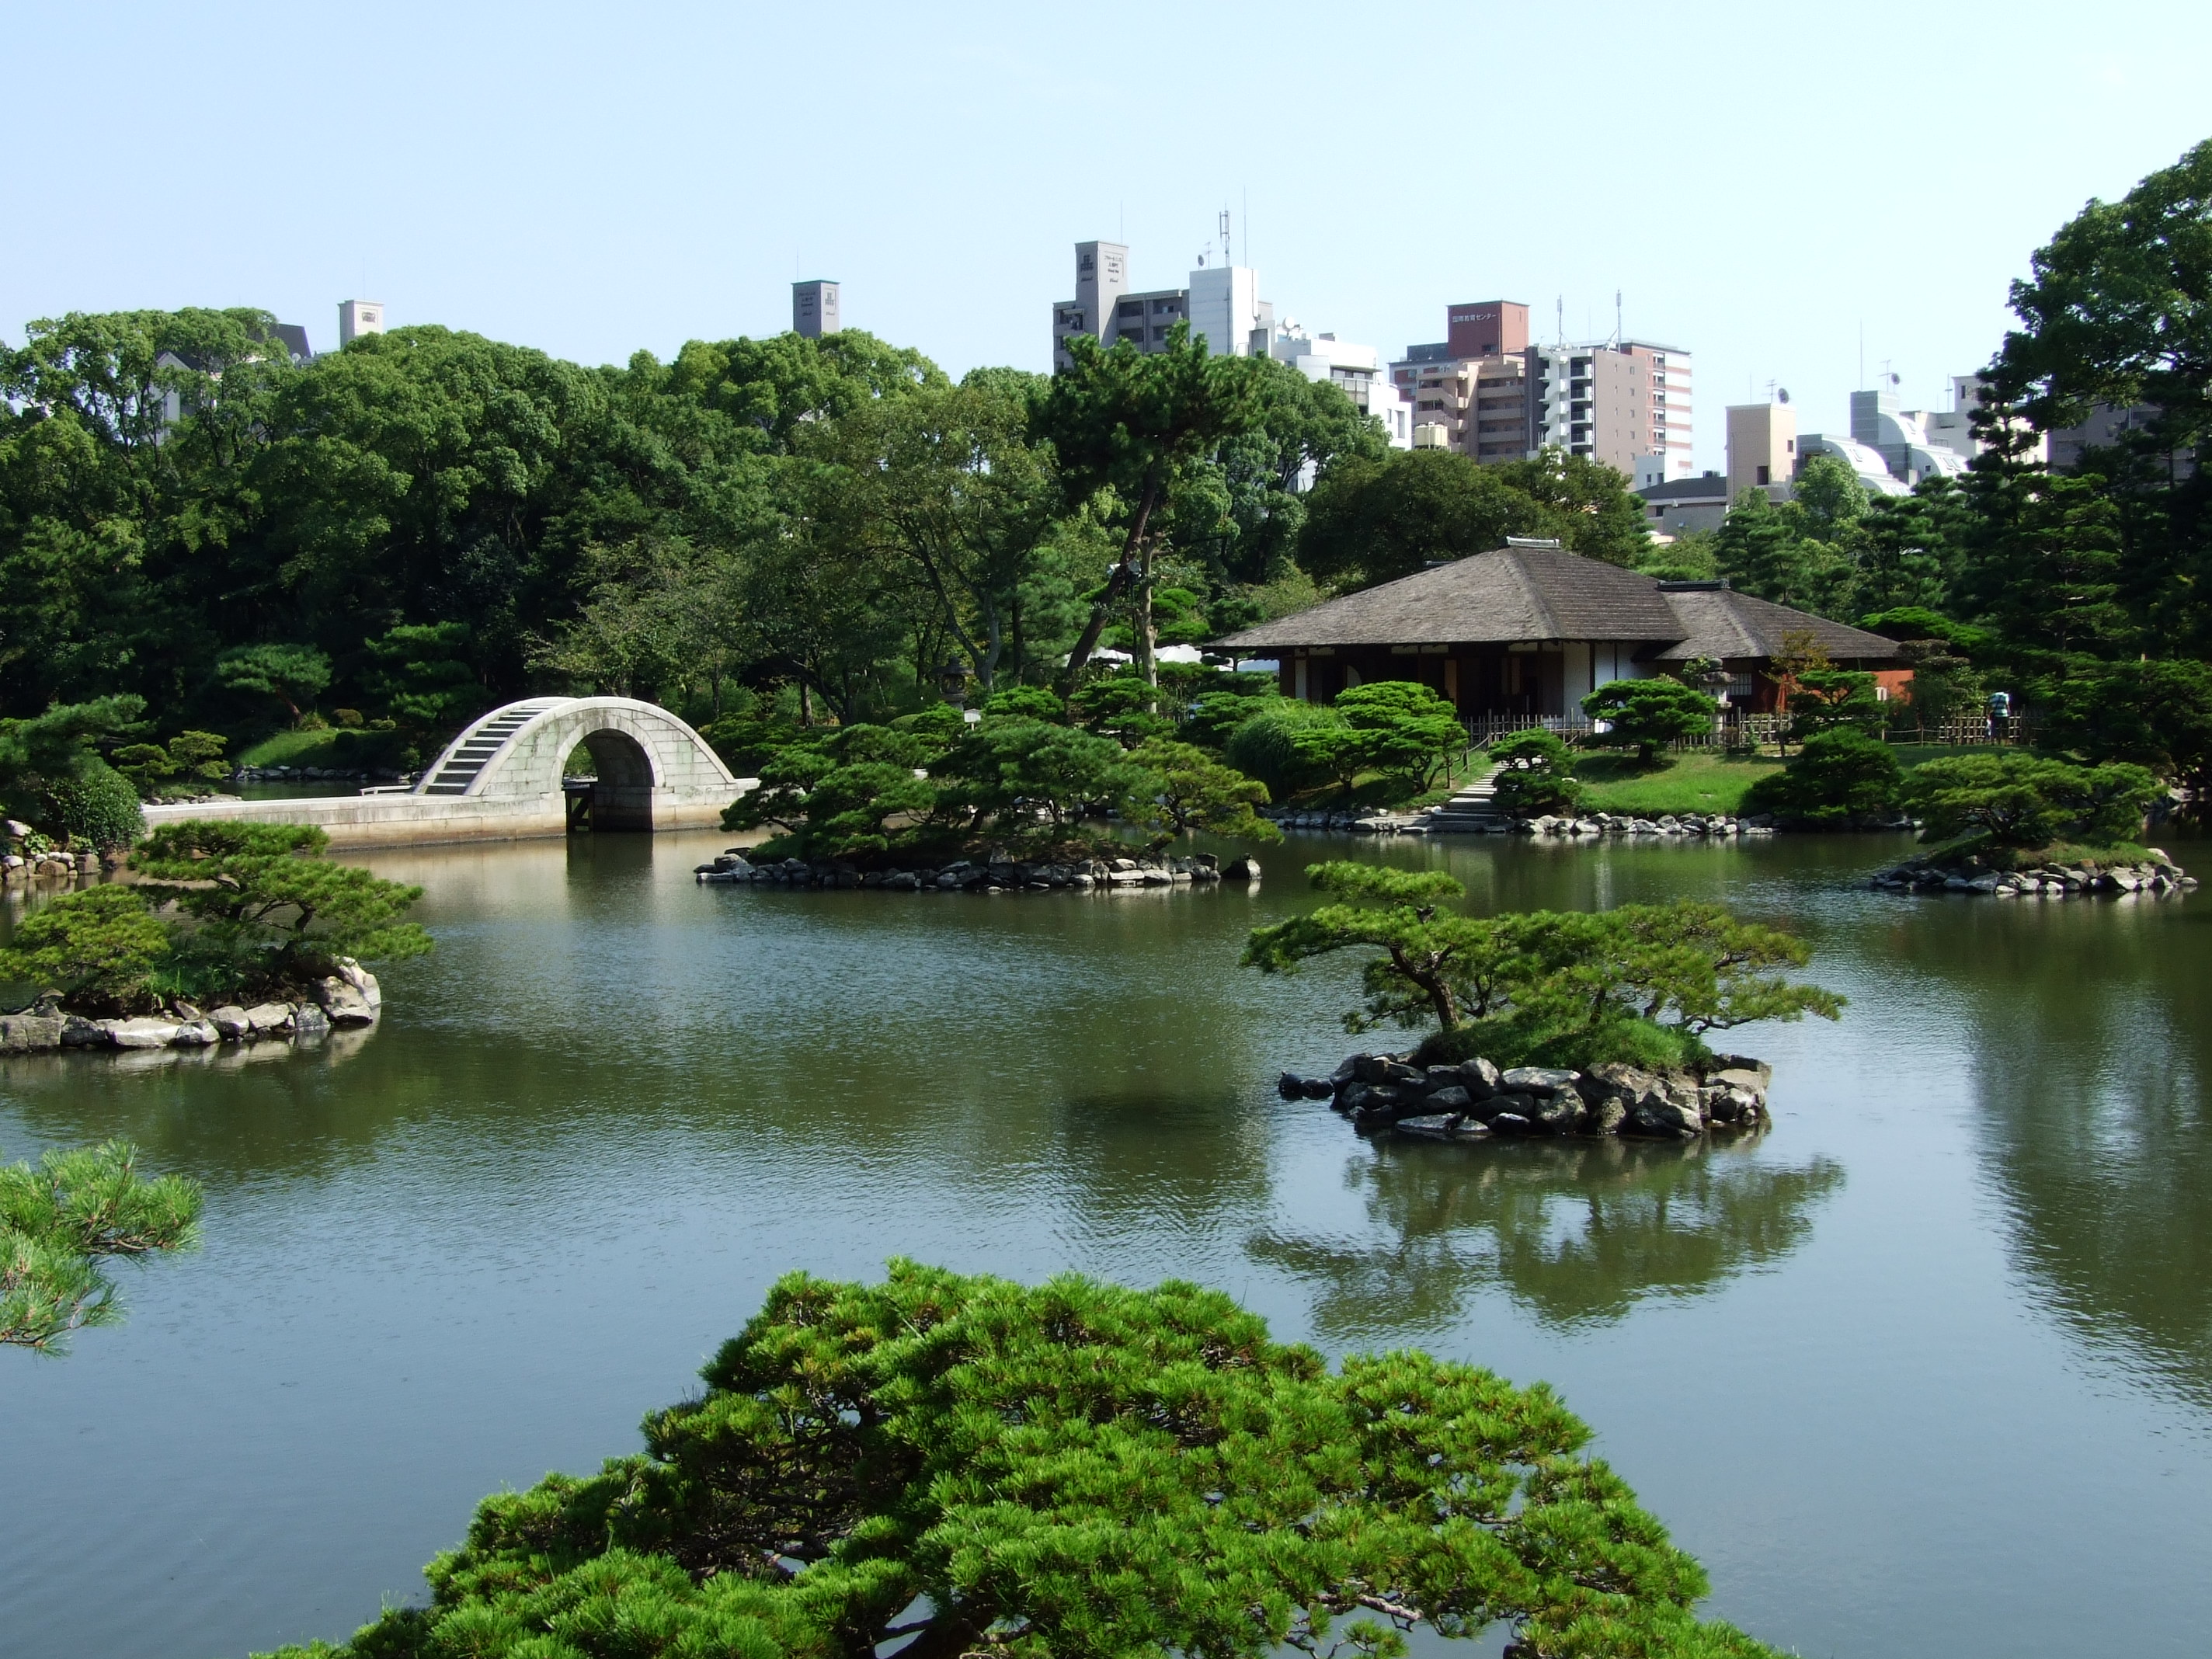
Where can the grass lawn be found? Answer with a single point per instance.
(1373, 792)
(1691, 782)
(290, 748)
(337, 747)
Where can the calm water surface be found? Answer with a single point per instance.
(1925, 1371)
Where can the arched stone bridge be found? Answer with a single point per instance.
(503, 779)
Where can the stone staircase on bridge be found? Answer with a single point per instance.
(458, 767)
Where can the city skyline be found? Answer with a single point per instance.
(461, 185)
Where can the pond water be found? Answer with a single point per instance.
(1926, 1370)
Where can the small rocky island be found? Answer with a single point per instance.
(350, 997)
(997, 873)
(1475, 1100)
(2153, 874)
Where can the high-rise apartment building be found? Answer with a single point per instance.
(1487, 328)
(1498, 398)
(814, 309)
(1615, 401)
(1222, 304)
(359, 317)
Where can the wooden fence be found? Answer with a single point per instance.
(1756, 731)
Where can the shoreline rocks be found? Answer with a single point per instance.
(2155, 876)
(1475, 1100)
(996, 873)
(350, 997)
(1587, 826)
(309, 774)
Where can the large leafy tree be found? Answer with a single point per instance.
(2118, 310)
(1242, 509)
(426, 475)
(2152, 714)
(1375, 519)
(124, 440)
(1066, 1470)
(1124, 426)
(1589, 504)
(945, 485)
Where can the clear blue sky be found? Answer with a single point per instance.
(1762, 181)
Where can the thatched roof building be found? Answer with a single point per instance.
(1529, 628)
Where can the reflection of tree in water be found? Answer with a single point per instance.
(1576, 1232)
(2092, 1033)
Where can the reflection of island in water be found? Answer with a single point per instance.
(1576, 1232)
(2092, 1037)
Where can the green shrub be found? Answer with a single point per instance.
(2018, 800)
(1185, 788)
(1536, 775)
(1287, 746)
(1840, 774)
(1403, 727)
(95, 948)
(196, 757)
(1024, 702)
(1623, 1041)
(1214, 717)
(1646, 714)
(261, 910)
(95, 806)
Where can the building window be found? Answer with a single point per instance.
(1762, 475)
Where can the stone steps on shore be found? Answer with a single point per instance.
(1471, 810)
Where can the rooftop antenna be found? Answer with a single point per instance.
(1616, 317)
(1225, 259)
(1562, 315)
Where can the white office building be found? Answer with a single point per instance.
(1222, 304)
(359, 317)
(1356, 370)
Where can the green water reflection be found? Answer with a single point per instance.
(1958, 1299)
(1576, 1234)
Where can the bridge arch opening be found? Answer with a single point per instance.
(620, 794)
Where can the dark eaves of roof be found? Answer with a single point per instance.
(1515, 593)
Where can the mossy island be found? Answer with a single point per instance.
(218, 933)
(1543, 1022)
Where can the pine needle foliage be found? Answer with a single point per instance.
(1541, 983)
(1066, 1471)
(61, 1218)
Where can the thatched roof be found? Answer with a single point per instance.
(1520, 593)
(1514, 594)
(1725, 624)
